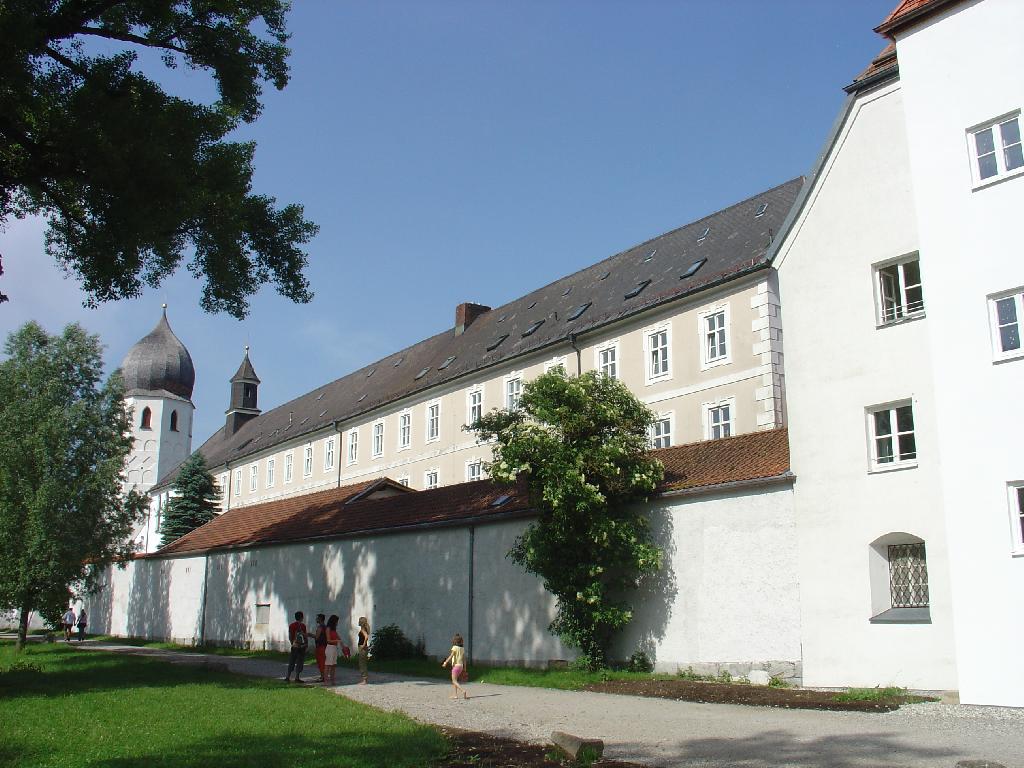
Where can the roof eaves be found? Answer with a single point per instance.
(900, 19)
(733, 485)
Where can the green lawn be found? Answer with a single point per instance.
(62, 706)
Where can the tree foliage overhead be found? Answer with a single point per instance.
(195, 502)
(581, 445)
(129, 176)
(64, 439)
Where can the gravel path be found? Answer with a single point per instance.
(659, 732)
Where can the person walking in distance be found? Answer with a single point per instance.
(363, 649)
(299, 639)
(457, 659)
(331, 650)
(83, 622)
(69, 623)
(320, 644)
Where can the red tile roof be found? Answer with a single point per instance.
(353, 509)
(908, 11)
(884, 61)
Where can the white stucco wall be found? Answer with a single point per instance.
(959, 69)
(839, 362)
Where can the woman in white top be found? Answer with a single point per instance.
(457, 658)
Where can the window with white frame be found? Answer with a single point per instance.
(271, 467)
(289, 463)
(474, 405)
(714, 329)
(996, 149)
(1016, 494)
(430, 479)
(898, 290)
(433, 422)
(607, 359)
(328, 453)
(353, 446)
(238, 482)
(719, 418)
(474, 470)
(404, 430)
(404, 480)
(254, 476)
(893, 443)
(1006, 312)
(307, 460)
(661, 431)
(378, 439)
(656, 346)
(555, 362)
(513, 392)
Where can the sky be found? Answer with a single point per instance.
(472, 150)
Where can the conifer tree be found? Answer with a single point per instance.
(195, 502)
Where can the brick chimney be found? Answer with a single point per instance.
(466, 313)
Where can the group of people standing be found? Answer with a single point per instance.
(327, 644)
(71, 621)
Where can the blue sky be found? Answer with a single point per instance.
(473, 151)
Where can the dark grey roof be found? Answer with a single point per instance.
(245, 371)
(730, 243)
(159, 364)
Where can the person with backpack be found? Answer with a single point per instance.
(299, 638)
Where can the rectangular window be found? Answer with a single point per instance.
(378, 439)
(997, 149)
(513, 393)
(716, 348)
(1016, 491)
(908, 576)
(238, 482)
(556, 362)
(405, 430)
(892, 436)
(899, 290)
(657, 343)
(329, 454)
(271, 466)
(474, 406)
(474, 470)
(433, 422)
(430, 479)
(262, 614)
(353, 446)
(607, 361)
(661, 432)
(307, 461)
(719, 421)
(289, 461)
(404, 481)
(1005, 315)
(254, 476)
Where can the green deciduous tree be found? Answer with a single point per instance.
(580, 443)
(195, 502)
(129, 176)
(64, 439)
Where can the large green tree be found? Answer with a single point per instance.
(195, 502)
(129, 176)
(64, 439)
(580, 443)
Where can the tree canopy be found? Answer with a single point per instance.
(580, 443)
(64, 439)
(128, 176)
(195, 502)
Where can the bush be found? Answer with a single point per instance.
(639, 662)
(584, 663)
(389, 642)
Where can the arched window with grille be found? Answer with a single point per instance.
(899, 579)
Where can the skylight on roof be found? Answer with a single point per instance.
(320, 396)
(496, 343)
(704, 235)
(567, 291)
(501, 500)
(533, 328)
(446, 363)
(605, 275)
(578, 311)
(398, 362)
(649, 256)
(304, 421)
(532, 305)
(636, 291)
(361, 398)
(760, 210)
(502, 318)
(423, 373)
(692, 269)
(322, 414)
(372, 371)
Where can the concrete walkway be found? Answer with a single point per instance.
(671, 733)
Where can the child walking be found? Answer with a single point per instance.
(457, 658)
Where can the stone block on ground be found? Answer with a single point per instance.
(758, 677)
(576, 746)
